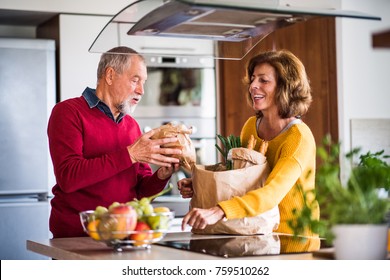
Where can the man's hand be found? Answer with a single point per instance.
(147, 150)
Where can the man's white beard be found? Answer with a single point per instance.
(126, 107)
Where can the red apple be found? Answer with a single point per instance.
(117, 222)
(143, 233)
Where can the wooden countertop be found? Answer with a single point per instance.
(85, 248)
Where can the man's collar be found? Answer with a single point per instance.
(91, 98)
(94, 101)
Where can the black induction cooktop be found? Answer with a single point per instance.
(239, 246)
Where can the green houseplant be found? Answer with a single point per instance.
(359, 199)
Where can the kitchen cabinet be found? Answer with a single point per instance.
(76, 66)
(96, 7)
(314, 43)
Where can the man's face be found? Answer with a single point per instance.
(129, 86)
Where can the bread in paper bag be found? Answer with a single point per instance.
(181, 132)
(211, 186)
(238, 246)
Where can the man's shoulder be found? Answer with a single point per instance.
(71, 102)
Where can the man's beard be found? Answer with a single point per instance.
(126, 107)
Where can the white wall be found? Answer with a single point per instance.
(78, 67)
(363, 72)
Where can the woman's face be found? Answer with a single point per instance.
(263, 88)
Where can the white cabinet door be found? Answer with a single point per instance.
(22, 221)
(77, 65)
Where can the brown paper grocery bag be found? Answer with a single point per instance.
(238, 246)
(211, 185)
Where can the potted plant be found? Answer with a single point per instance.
(356, 205)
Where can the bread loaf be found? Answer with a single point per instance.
(182, 133)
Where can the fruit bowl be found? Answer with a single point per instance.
(126, 230)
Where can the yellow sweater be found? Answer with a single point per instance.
(291, 156)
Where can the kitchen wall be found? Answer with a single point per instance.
(76, 65)
(363, 71)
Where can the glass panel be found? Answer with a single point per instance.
(178, 92)
(218, 29)
(174, 86)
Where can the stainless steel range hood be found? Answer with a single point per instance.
(208, 28)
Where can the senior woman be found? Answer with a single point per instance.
(280, 94)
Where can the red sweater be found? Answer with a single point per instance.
(92, 165)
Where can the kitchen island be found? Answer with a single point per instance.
(178, 246)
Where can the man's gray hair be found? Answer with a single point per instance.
(118, 58)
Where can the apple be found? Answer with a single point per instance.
(143, 233)
(117, 222)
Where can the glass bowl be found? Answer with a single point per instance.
(117, 230)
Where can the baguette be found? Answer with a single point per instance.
(251, 143)
(263, 147)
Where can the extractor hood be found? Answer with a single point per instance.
(224, 29)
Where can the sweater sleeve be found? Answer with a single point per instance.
(72, 169)
(149, 184)
(289, 153)
(279, 182)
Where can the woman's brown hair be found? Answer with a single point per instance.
(293, 92)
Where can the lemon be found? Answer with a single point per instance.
(161, 209)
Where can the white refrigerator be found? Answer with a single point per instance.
(27, 95)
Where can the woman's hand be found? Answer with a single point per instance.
(164, 173)
(185, 187)
(200, 218)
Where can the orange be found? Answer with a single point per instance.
(92, 229)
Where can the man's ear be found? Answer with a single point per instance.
(109, 75)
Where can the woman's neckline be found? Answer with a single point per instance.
(287, 127)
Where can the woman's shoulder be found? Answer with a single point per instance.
(250, 122)
(249, 126)
(304, 129)
(301, 135)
